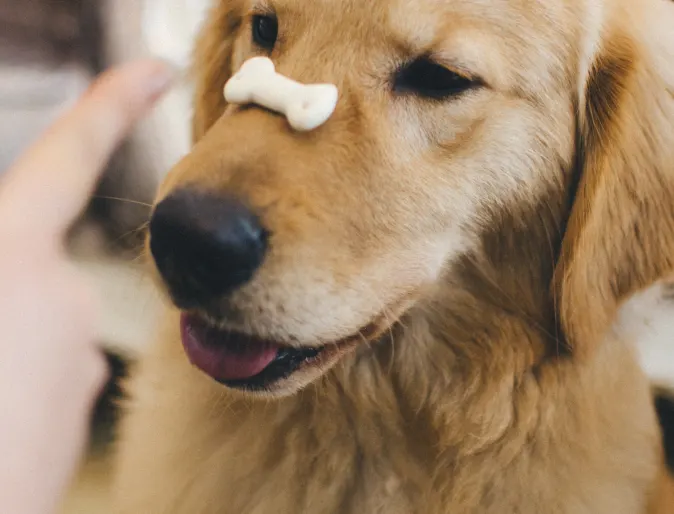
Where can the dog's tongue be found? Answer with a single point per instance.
(223, 356)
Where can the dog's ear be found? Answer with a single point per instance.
(213, 64)
(620, 234)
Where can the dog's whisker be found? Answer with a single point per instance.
(391, 342)
(143, 254)
(142, 227)
(123, 200)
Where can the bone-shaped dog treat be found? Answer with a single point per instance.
(305, 106)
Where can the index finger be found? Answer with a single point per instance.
(49, 186)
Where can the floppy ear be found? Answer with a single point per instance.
(620, 235)
(213, 64)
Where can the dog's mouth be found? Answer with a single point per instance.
(245, 362)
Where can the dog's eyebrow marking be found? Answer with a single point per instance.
(306, 107)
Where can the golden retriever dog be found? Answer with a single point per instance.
(411, 308)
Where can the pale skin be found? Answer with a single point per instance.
(51, 370)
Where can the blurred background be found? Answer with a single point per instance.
(49, 52)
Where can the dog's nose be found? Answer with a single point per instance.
(205, 246)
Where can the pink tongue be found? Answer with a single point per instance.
(224, 357)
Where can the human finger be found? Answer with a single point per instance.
(50, 185)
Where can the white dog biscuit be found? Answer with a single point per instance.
(305, 106)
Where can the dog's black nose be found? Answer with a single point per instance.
(205, 246)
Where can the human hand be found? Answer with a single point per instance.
(50, 370)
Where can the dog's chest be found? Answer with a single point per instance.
(334, 456)
(307, 496)
(294, 472)
(343, 470)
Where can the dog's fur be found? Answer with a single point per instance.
(492, 237)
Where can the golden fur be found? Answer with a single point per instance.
(492, 238)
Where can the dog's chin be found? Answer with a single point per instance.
(261, 367)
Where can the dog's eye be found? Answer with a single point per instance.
(265, 31)
(429, 79)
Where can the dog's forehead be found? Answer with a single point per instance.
(424, 18)
(417, 24)
(511, 44)
(430, 18)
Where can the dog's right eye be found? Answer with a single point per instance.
(265, 31)
(431, 80)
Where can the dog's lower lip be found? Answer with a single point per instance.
(245, 362)
(238, 360)
(213, 352)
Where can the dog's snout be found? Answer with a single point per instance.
(205, 245)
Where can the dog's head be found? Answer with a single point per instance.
(286, 250)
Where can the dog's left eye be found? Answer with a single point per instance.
(431, 80)
(265, 31)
